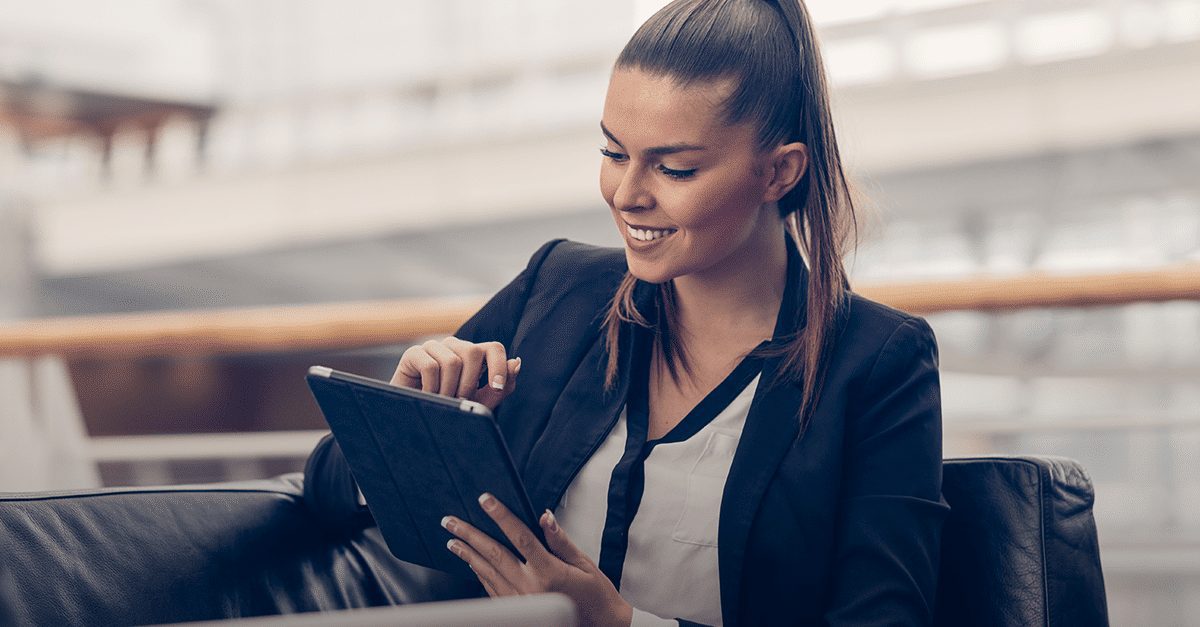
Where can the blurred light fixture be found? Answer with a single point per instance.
(1182, 19)
(1141, 24)
(859, 60)
(953, 50)
(1063, 35)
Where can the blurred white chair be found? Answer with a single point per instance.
(43, 442)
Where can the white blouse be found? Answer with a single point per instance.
(647, 512)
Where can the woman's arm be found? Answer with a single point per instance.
(889, 526)
(329, 490)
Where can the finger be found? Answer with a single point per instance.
(417, 370)
(450, 366)
(497, 365)
(526, 543)
(487, 574)
(510, 569)
(487, 587)
(406, 374)
(561, 544)
(490, 396)
(472, 356)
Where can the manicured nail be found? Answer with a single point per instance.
(551, 522)
(487, 501)
(517, 366)
(498, 382)
(452, 544)
(447, 523)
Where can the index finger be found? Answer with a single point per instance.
(497, 364)
(526, 543)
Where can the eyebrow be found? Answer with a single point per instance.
(656, 151)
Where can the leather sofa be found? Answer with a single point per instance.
(1019, 548)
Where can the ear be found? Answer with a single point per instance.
(787, 166)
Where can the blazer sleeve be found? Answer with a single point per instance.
(888, 541)
(330, 493)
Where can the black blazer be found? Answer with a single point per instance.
(839, 526)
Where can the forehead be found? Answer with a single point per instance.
(643, 109)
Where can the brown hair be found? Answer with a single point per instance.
(770, 51)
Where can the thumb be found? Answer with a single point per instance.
(561, 545)
(489, 396)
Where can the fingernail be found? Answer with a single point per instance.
(452, 544)
(487, 501)
(517, 366)
(551, 522)
(447, 523)
(498, 382)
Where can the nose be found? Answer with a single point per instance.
(632, 192)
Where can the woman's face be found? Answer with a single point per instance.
(686, 190)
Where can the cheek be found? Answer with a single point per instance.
(610, 179)
(720, 206)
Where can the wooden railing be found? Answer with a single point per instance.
(381, 323)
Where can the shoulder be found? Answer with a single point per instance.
(875, 332)
(570, 259)
(570, 285)
(885, 368)
(563, 265)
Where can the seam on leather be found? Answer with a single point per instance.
(1043, 477)
(1023, 459)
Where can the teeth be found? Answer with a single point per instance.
(646, 235)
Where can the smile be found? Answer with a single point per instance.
(648, 235)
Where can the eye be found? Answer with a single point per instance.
(677, 174)
(615, 156)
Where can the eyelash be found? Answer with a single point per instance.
(675, 174)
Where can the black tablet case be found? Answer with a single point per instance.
(416, 458)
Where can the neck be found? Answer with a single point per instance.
(738, 299)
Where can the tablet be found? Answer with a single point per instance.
(417, 457)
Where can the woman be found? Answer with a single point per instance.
(719, 430)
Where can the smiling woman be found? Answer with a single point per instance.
(739, 438)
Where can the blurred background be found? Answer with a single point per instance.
(244, 157)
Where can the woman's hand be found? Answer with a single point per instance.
(567, 570)
(451, 367)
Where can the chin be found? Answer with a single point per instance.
(647, 272)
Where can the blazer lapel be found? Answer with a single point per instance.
(583, 414)
(770, 430)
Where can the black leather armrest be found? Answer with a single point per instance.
(127, 556)
(1020, 545)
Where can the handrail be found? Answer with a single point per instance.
(251, 330)
(379, 323)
